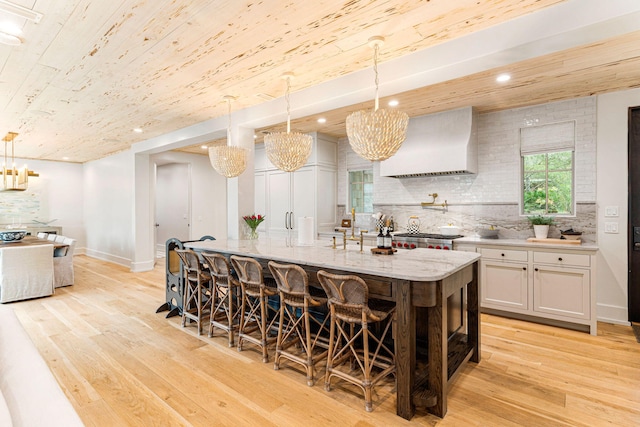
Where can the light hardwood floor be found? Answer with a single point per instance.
(122, 364)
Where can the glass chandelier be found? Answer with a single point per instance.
(14, 179)
(228, 160)
(378, 134)
(288, 151)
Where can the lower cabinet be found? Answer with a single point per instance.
(556, 285)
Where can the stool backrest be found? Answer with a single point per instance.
(249, 272)
(292, 281)
(347, 295)
(218, 266)
(190, 262)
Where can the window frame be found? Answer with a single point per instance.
(572, 213)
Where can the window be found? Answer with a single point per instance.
(547, 153)
(361, 190)
(547, 183)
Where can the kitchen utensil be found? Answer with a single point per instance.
(413, 225)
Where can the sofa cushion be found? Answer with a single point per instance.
(30, 390)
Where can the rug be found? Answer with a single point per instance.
(636, 330)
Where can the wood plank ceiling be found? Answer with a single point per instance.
(91, 71)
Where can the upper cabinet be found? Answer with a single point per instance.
(309, 191)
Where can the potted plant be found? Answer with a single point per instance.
(541, 225)
(253, 221)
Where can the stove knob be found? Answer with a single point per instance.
(430, 246)
(445, 247)
(438, 247)
(413, 246)
(406, 245)
(393, 244)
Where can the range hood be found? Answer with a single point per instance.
(437, 144)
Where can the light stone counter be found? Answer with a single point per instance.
(522, 244)
(422, 265)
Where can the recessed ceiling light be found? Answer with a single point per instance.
(255, 136)
(394, 103)
(204, 147)
(322, 120)
(65, 158)
(137, 130)
(503, 78)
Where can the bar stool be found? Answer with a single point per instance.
(197, 292)
(257, 317)
(349, 305)
(224, 310)
(302, 338)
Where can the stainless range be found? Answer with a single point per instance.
(423, 240)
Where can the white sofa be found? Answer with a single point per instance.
(29, 394)
(25, 272)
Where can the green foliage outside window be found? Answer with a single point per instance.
(548, 183)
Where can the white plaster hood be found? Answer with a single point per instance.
(437, 144)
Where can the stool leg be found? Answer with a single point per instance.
(263, 321)
(332, 346)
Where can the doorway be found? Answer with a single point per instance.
(173, 207)
(634, 215)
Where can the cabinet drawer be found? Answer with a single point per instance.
(552, 258)
(504, 254)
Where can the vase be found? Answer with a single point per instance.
(541, 231)
(253, 233)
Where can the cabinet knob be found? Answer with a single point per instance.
(524, 268)
(502, 254)
(535, 269)
(559, 258)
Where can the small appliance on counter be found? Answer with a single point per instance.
(413, 225)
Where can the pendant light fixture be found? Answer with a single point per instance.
(378, 134)
(14, 179)
(288, 151)
(228, 160)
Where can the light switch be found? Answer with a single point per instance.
(611, 227)
(611, 211)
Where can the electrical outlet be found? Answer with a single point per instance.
(611, 227)
(611, 211)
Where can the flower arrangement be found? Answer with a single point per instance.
(253, 221)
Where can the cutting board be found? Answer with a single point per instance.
(555, 241)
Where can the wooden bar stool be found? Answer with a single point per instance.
(257, 317)
(225, 295)
(197, 292)
(352, 342)
(302, 338)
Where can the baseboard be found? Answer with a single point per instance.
(125, 262)
(613, 314)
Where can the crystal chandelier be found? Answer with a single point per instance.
(228, 160)
(378, 134)
(288, 151)
(14, 179)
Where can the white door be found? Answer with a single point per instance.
(304, 193)
(278, 216)
(173, 211)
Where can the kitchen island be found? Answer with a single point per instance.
(420, 282)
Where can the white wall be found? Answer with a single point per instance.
(612, 190)
(55, 194)
(208, 194)
(109, 208)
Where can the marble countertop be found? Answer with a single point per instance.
(473, 240)
(415, 265)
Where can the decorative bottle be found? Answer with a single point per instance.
(387, 239)
(380, 239)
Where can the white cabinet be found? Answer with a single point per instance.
(504, 285)
(545, 283)
(310, 191)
